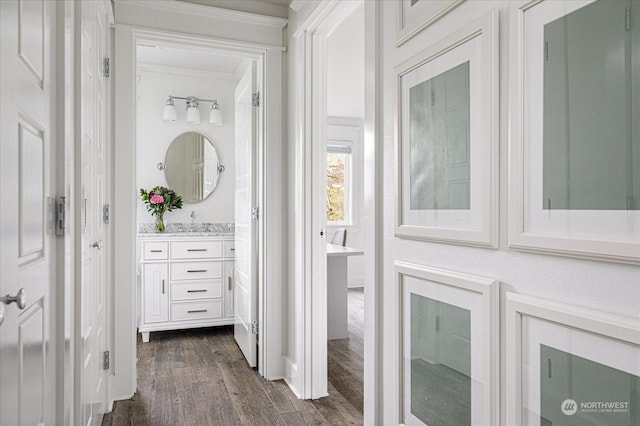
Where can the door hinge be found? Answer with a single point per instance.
(255, 213)
(59, 215)
(255, 327)
(105, 213)
(255, 99)
(105, 360)
(106, 67)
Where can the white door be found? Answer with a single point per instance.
(27, 177)
(245, 288)
(93, 96)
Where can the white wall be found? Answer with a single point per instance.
(154, 135)
(345, 99)
(345, 68)
(600, 285)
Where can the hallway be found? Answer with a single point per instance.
(199, 377)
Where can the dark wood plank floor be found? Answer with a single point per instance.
(345, 356)
(199, 377)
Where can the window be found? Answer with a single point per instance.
(339, 182)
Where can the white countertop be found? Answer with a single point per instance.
(183, 234)
(335, 250)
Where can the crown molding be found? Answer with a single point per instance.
(185, 71)
(296, 5)
(173, 6)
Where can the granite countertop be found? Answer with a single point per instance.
(182, 234)
(187, 230)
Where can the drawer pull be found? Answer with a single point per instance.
(232, 249)
(196, 291)
(196, 270)
(229, 281)
(195, 311)
(162, 286)
(156, 251)
(196, 249)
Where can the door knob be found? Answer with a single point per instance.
(97, 244)
(19, 299)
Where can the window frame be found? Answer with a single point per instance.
(340, 146)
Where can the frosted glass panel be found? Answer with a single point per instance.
(439, 147)
(591, 152)
(440, 362)
(578, 392)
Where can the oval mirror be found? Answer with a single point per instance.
(191, 166)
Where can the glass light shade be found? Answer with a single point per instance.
(215, 116)
(170, 113)
(193, 115)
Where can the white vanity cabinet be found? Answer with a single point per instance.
(187, 282)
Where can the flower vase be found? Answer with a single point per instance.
(159, 223)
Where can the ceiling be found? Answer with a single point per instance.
(185, 58)
(275, 8)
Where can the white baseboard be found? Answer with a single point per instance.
(291, 376)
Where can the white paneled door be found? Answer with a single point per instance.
(245, 290)
(27, 177)
(93, 139)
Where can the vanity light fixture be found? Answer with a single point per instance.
(215, 115)
(193, 112)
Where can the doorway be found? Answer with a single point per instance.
(128, 40)
(311, 39)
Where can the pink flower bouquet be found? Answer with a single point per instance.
(159, 201)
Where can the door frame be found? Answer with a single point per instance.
(310, 131)
(270, 200)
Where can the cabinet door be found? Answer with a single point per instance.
(155, 293)
(228, 286)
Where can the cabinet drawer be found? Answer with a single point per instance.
(196, 270)
(155, 251)
(196, 290)
(185, 311)
(230, 248)
(196, 249)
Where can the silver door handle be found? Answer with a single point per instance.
(97, 244)
(20, 299)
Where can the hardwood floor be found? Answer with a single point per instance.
(345, 356)
(199, 377)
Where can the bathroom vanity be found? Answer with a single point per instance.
(186, 281)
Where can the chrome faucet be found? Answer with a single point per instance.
(193, 220)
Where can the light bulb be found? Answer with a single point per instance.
(215, 115)
(193, 113)
(170, 113)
